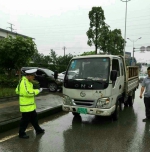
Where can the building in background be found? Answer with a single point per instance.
(5, 33)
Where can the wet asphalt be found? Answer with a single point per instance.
(88, 133)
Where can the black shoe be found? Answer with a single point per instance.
(146, 119)
(24, 136)
(40, 131)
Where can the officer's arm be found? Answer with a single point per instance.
(17, 90)
(30, 91)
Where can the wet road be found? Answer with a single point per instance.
(65, 133)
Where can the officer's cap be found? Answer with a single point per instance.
(30, 72)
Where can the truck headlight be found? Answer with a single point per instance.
(66, 100)
(103, 102)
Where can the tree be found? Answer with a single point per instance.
(16, 52)
(104, 38)
(116, 42)
(53, 57)
(40, 58)
(96, 16)
(88, 53)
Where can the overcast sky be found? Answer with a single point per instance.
(58, 23)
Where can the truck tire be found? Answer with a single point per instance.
(115, 115)
(75, 114)
(126, 103)
(131, 99)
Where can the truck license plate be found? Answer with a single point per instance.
(82, 110)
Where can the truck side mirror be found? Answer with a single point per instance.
(113, 75)
(55, 75)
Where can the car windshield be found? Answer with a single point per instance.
(48, 72)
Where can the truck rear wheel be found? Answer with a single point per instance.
(126, 103)
(75, 114)
(131, 99)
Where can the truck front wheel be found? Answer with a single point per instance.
(115, 115)
(75, 114)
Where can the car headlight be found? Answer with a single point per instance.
(103, 102)
(66, 100)
(60, 80)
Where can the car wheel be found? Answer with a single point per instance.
(53, 87)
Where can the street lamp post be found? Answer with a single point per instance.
(133, 44)
(125, 26)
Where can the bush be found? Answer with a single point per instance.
(8, 86)
(5, 81)
(7, 92)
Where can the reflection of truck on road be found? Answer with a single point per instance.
(101, 84)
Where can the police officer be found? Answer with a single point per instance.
(27, 103)
(146, 87)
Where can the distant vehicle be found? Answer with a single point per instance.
(45, 77)
(142, 76)
(70, 74)
(61, 75)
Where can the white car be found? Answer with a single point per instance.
(61, 75)
(70, 74)
(142, 76)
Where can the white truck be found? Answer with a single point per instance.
(101, 83)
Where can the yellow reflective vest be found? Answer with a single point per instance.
(26, 95)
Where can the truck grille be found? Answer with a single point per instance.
(87, 103)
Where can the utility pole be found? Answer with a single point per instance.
(11, 28)
(96, 33)
(64, 50)
(125, 26)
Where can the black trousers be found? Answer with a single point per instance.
(28, 117)
(147, 107)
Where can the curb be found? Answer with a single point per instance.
(14, 123)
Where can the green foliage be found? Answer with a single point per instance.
(53, 57)
(7, 92)
(104, 38)
(16, 52)
(88, 53)
(5, 80)
(40, 58)
(96, 16)
(116, 43)
(99, 34)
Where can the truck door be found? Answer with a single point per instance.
(119, 84)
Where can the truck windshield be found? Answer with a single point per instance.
(91, 70)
